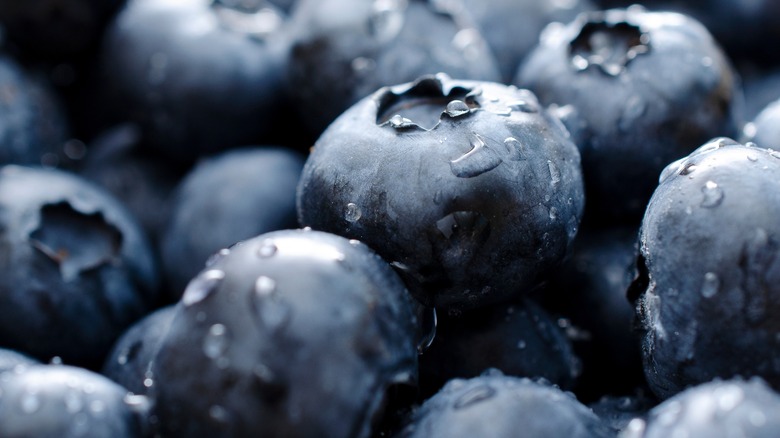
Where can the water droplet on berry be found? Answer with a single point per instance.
(553, 213)
(202, 286)
(352, 212)
(729, 397)
(712, 195)
(428, 324)
(457, 108)
(267, 249)
(265, 286)
(73, 402)
(30, 402)
(216, 341)
(214, 258)
(555, 174)
(480, 159)
(514, 149)
(710, 286)
(474, 395)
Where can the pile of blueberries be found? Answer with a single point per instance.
(389, 218)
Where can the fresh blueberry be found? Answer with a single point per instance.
(764, 130)
(76, 268)
(706, 293)
(470, 189)
(500, 406)
(48, 401)
(10, 359)
(33, 127)
(226, 198)
(130, 359)
(734, 408)
(519, 339)
(291, 333)
(647, 89)
(197, 76)
(761, 87)
(512, 27)
(590, 292)
(344, 50)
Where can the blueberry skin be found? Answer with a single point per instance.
(227, 198)
(520, 339)
(151, 72)
(470, 189)
(342, 51)
(130, 358)
(512, 27)
(499, 406)
(76, 268)
(763, 130)
(56, 30)
(746, 408)
(10, 359)
(61, 401)
(590, 291)
(33, 125)
(291, 333)
(706, 292)
(647, 88)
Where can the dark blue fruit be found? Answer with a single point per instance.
(733, 408)
(197, 76)
(500, 406)
(647, 89)
(59, 401)
(76, 268)
(10, 359)
(764, 130)
(707, 295)
(344, 50)
(229, 197)
(470, 189)
(129, 362)
(520, 339)
(291, 333)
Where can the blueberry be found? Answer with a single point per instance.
(345, 50)
(519, 339)
(167, 65)
(764, 130)
(33, 127)
(746, 408)
(647, 88)
(226, 198)
(501, 406)
(130, 358)
(10, 359)
(291, 333)
(512, 27)
(76, 268)
(63, 401)
(590, 291)
(706, 292)
(470, 189)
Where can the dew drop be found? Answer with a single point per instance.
(73, 402)
(216, 341)
(514, 149)
(480, 159)
(553, 213)
(521, 344)
(30, 403)
(474, 396)
(265, 286)
(137, 402)
(751, 156)
(97, 407)
(523, 106)
(428, 324)
(400, 122)
(555, 174)
(711, 285)
(457, 108)
(712, 195)
(757, 418)
(729, 397)
(352, 213)
(267, 249)
(202, 286)
(148, 382)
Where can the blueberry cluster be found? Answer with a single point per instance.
(389, 218)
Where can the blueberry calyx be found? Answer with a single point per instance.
(76, 240)
(608, 42)
(409, 107)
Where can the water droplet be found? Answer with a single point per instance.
(555, 174)
(757, 418)
(214, 258)
(521, 344)
(480, 159)
(710, 286)
(216, 341)
(669, 413)
(524, 106)
(136, 402)
(218, 414)
(73, 402)
(30, 403)
(514, 149)
(751, 156)
(267, 249)
(352, 213)
(202, 286)
(400, 122)
(729, 397)
(148, 382)
(363, 65)
(97, 407)
(265, 286)
(553, 213)
(429, 322)
(474, 395)
(712, 195)
(457, 108)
